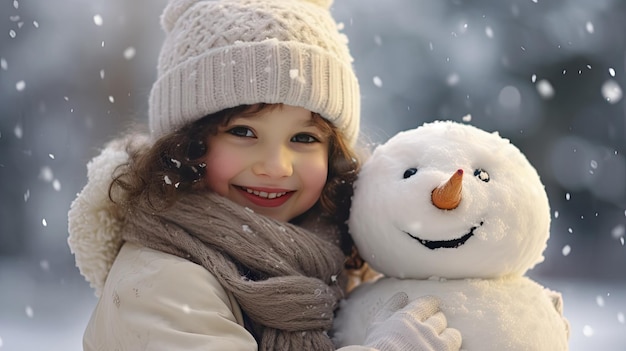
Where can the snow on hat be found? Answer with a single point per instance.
(222, 54)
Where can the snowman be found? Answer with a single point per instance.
(453, 211)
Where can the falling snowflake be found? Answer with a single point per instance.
(510, 97)
(46, 174)
(377, 81)
(18, 131)
(600, 301)
(97, 19)
(618, 231)
(545, 89)
(587, 331)
(129, 53)
(489, 32)
(453, 79)
(566, 250)
(611, 91)
(167, 180)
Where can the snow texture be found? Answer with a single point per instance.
(473, 257)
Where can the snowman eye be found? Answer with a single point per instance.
(482, 175)
(409, 172)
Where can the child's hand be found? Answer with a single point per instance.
(416, 326)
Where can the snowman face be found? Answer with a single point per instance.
(449, 200)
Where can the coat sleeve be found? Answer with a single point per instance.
(154, 301)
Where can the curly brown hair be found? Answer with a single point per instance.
(173, 166)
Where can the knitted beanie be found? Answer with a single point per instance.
(222, 54)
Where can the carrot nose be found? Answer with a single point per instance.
(448, 195)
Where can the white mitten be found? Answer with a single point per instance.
(416, 326)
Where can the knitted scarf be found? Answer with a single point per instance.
(284, 277)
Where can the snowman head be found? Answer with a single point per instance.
(452, 201)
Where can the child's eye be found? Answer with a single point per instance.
(243, 132)
(304, 138)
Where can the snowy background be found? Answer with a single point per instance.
(547, 74)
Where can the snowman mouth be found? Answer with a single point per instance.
(446, 244)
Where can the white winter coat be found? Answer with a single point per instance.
(156, 301)
(149, 300)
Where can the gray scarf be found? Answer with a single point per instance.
(284, 277)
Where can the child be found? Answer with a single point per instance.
(224, 229)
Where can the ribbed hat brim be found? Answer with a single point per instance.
(269, 71)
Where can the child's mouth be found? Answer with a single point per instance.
(264, 194)
(265, 198)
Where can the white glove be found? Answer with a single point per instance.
(418, 326)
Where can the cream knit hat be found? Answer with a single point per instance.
(222, 54)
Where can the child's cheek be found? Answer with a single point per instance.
(221, 168)
(314, 175)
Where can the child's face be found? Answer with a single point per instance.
(274, 162)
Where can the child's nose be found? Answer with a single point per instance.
(275, 162)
